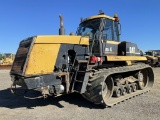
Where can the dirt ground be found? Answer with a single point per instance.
(74, 107)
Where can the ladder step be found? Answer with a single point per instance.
(82, 61)
(78, 81)
(80, 77)
(81, 71)
(76, 91)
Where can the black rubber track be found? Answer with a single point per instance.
(94, 92)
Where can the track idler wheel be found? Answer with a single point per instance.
(143, 79)
(100, 91)
(106, 95)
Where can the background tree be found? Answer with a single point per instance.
(1, 56)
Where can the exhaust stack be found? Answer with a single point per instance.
(61, 29)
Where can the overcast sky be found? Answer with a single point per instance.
(20, 19)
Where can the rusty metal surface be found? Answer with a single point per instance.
(65, 76)
(5, 67)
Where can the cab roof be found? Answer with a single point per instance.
(98, 16)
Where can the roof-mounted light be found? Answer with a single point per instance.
(116, 17)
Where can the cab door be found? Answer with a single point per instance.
(110, 38)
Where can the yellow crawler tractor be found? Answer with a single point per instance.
(153, 58)
(7, 61)
(93, 63)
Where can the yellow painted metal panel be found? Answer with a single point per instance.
(63, 39)
(151, 57)
(128, 62)
(42, 59)
(126, 58)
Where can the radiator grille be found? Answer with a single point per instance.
(21, 56)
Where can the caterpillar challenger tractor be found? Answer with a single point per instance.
(93, 63)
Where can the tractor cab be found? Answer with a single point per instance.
(100, 29)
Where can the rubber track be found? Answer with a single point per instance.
(95, 95)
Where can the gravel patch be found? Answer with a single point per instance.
(74, 107)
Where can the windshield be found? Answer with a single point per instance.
(91, 28)
(149, 53)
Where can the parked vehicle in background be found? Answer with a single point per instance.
(153, 58)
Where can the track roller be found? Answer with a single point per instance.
(134, 87)
(123, 89)
(117, 92)
(129, 88)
